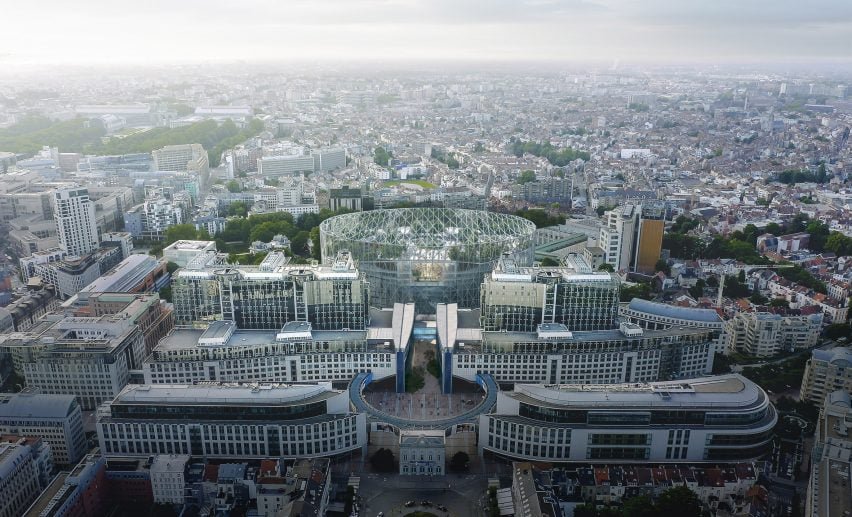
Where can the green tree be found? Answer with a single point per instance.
(641, 506)
(663, 266)
(697, 291)
(381, 156)
(180, 232)
(299, 242)
(233, 186)
(606, 266)
(585, 510)
(383, 460)
(238, 208)
(460, 462)
(549, 262)
(680, 501)
(526, 177)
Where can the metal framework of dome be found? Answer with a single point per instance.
(427, 255)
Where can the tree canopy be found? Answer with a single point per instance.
(557, 157)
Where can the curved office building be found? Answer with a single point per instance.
(427, 255)
(718, 419)
(230, 420)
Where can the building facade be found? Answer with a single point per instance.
(74, 213)
(225, 421)
(55, 418)
(825, 372)
(713, 419)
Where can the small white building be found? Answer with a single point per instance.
(422, 453)
(168, 478)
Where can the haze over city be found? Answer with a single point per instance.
(426, 258)
(659, 31)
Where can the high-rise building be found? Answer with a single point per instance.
(288, 165)
(226, 421)
(55, 418)
(632, 237)
(179, 158)
(74, 213)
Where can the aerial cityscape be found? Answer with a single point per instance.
(388, 261)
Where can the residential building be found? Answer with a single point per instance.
(825, 372)
(712, 419)
(57, 419)
(74, 213)
(227, 420)
(304, 488)
(764, 334)
(168, 478)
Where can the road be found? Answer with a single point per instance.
(389, 493)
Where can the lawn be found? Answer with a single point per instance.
(421, 183)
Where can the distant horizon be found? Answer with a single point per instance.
(657, 32)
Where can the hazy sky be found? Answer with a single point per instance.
(158, 31)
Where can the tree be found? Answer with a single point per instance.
(549, 262)
(459, 462)
(381, 156)
(180, 232)
(585, 510)
(171, 267)
(641, 290)
(606, 266)
(526, 177)
(680, 501)
(238, 208)
(663, 266)
(233, 186)
(697, 291)
(299, 242)
(641, 506)
(383, 460)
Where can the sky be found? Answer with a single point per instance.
(186, 31)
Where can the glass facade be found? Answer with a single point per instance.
(427, 255)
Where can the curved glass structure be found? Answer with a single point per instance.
(427, 255)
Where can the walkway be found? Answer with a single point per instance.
(356, 397)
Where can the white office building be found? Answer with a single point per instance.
(57, 419)
(179, 158)
(287, 165)
(168, 478)
(76, 226)
(227, 420)
(713, 419)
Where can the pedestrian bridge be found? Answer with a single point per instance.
(359, 402)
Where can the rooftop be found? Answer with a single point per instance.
(35, 405)
(724, 391)
(671, 311)
(230, 394)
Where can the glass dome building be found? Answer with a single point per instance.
(427, 255)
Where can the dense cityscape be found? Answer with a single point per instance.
(491, 289)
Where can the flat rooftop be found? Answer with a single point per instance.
(231, 394)
(725, 391)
